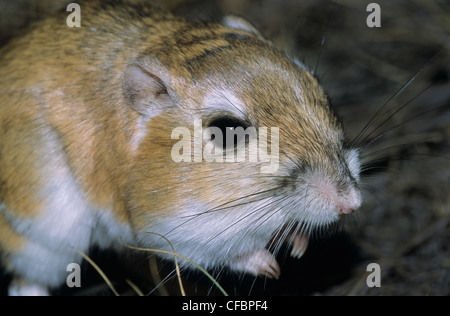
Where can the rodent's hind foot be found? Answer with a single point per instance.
(20, 287)
(259, 263)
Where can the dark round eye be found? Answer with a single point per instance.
(231, 131)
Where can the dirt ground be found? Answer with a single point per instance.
(404, 225)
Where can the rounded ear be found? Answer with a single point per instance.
(146, 85)
(236, 22)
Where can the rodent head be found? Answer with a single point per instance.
(215, 211)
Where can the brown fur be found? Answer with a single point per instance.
(72, 85)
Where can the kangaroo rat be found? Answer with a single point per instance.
(86, 122)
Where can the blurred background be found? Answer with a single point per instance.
(404, 225)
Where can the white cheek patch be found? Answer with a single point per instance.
(213, 238)
(352, 158)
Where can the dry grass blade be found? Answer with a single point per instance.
(177, 267)
(153, 265)
(102, 274)
(184, 258)
(134, 287)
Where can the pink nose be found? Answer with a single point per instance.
(346, 211)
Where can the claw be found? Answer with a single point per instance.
(299, 245)
(260, 262)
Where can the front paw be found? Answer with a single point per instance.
(299, 245)
(259, 262)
